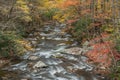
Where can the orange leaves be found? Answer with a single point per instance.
(116, 55)
(71, 21)
(86, 11)
(68, 3)
(100, 53)
(104, 36)
(105, 15)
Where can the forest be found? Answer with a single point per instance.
(59, 40)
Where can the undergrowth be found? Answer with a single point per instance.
(10, 45)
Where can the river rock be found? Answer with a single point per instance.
(43, 38)
(34, 42)
(102, 67)
(3, 62)
(33, 57)
(86, 46)
(39, 64)
(24, 79)
(74, 50)
(61, 44)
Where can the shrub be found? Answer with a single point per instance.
(9, 46)
(80, 31)
(117, 45)
(47, 15)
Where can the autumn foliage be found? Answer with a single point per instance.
(100, 54)
(67, 3)
(103, 53)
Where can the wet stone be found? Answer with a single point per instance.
(70, 68)
(33, 57)
(24, 79)
(61, 44)
(74, 50)
(40, 64)
(33, 42)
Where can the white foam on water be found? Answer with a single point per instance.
(46, 54)
(73, 77)
(82, 78)
(21, 66)
(95, 78)
(56, 69)
(60, 78)
(53, 62)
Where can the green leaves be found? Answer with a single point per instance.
(118, 44)
(81, 27)
(8, 45)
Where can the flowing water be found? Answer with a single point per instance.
(48, 62)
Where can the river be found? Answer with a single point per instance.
(49, 62)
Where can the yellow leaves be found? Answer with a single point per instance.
(21, 42)
(24, 10)
(20, 2)
(28, 47)
(22, 5)
(5, 11)
(99, 4)
(48, 4)
(26, 18)
(109, 29)
(25, 44)
(61, 20)
(59, 17)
